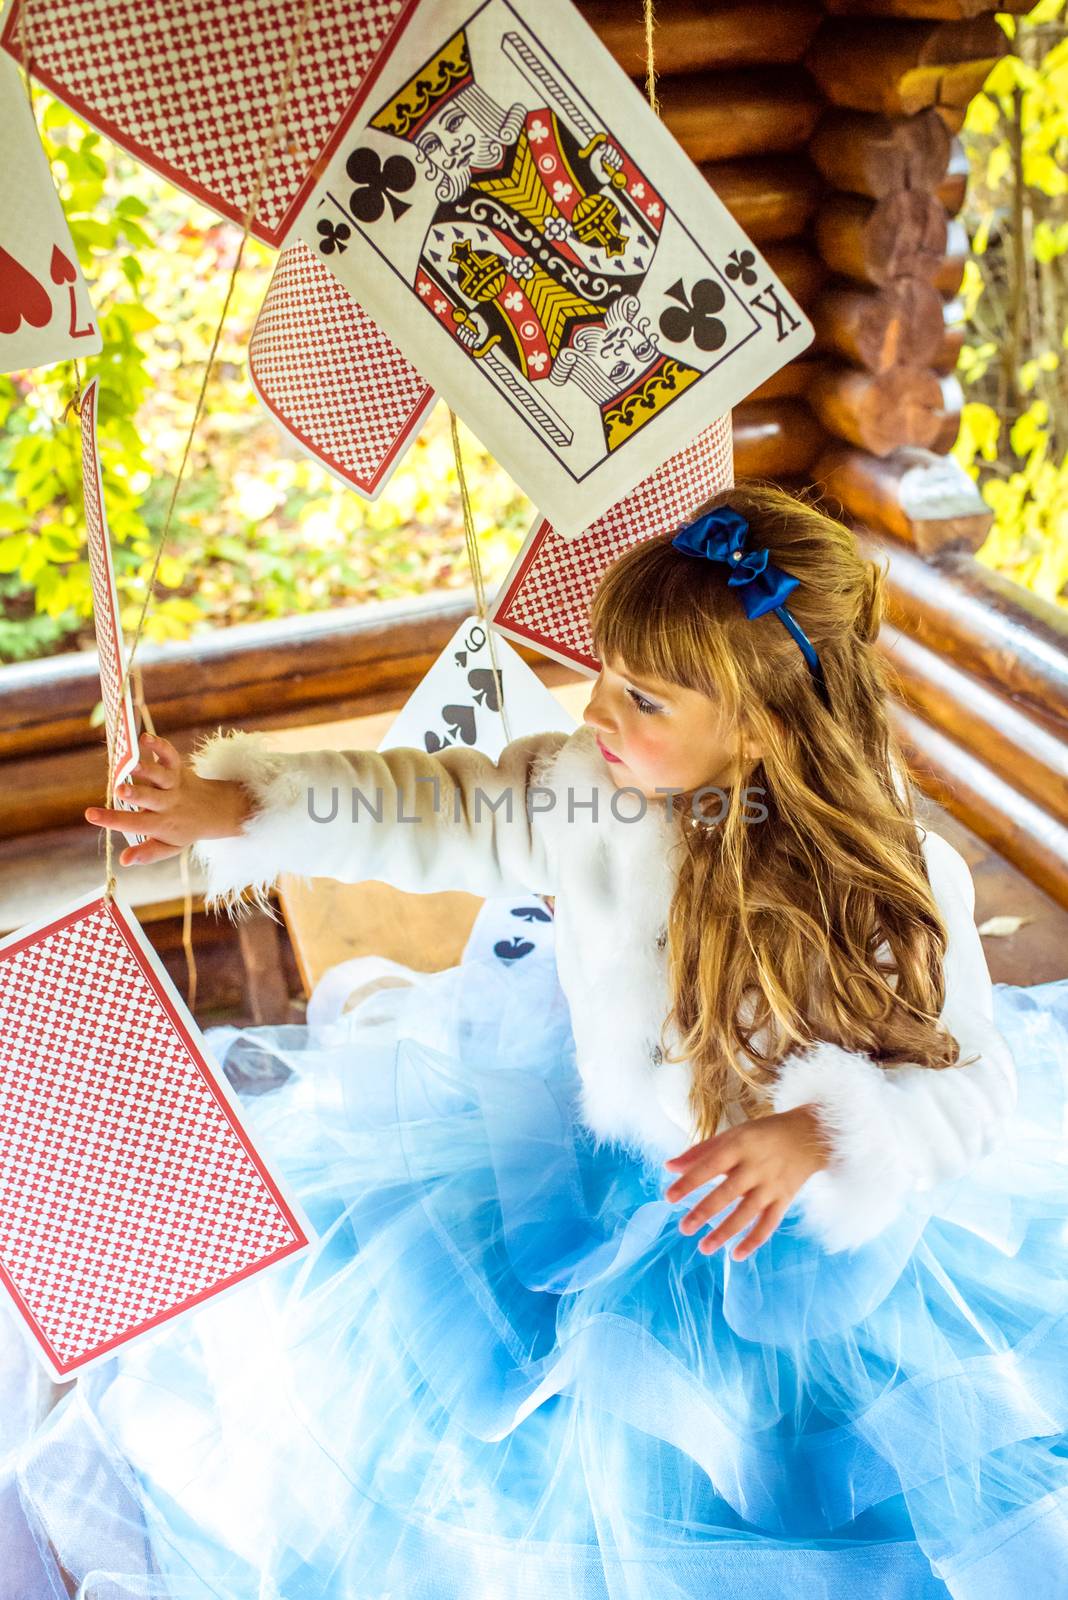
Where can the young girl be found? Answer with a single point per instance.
(723, 1256)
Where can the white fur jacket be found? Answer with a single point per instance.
(542, 819)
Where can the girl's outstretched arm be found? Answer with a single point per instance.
(894, 1130)
(422, 822)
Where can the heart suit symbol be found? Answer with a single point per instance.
(61, 269)
(22, 298)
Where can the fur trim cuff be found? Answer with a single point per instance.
(252, 859)
(871, 1172)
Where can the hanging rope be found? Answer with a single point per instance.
(650, 60)
(473, 557)
(475, 563)
(246, 228)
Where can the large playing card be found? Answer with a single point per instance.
(462, 700)
(130, 1192)
(190, 86)
(507, 207)
(119, 721)
(331, 378)
(45, 315)
(545, 599)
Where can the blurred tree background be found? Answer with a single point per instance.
(262, 531)
(1014, 365)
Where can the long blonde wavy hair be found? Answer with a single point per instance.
(776, 925)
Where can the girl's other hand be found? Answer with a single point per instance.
(175, 806)
(765, 1162)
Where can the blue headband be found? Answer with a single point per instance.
(720, 536)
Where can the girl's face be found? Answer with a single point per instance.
(661, 736)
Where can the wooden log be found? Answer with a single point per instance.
(900, 324)
(370, 657)
(954, 333)
(1012, 639)
(987, 724)
(930, 10)
(953, 116)
(718, 116)
(792, 381)
(775, 438)
(1023, 832)
(877, 411)
(949, 273)
(953, 189)
(902, 66)
(800, 269)
(769, 199)
(694, 34)
(876, 241)
(948, 414)
(929, 502)
(876, 155)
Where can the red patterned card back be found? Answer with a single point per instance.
(129, 1189)
(190, 88)
(331, 377)
(545, 599)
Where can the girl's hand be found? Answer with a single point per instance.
(175, 806)
(765, 1161)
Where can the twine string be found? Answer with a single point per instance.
(246, 228)
(475, 563)
(650, 56)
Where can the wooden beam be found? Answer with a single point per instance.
(790, 382)
(954, 333)
(775, 438)
(948, 415)
(876, 155)
(719, 116)
(879, 411)
(693, 34)
(949, 273)
(375, 651)
(769, 199)
(1018, 829)
(929, 10)
(876, 241)
(898, 325)
(953, 189)
(1012, 639)
(903, 66)
(984, 722)
(924, 499)
(800, 269)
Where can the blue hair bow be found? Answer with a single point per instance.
(720, 535)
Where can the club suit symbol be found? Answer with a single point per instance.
(334, 236)
(694, 317)
(377, 182)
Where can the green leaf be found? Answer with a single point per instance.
(12, 551)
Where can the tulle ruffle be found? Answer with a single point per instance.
(502, 1370)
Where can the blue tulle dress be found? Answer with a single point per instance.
(502, 1373)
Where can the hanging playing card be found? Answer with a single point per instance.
(191, 88)
(129, 1189)
(545, 253)
(461, 698)
(330, 376)
(545, 599)
(45, 315)
(119, 723)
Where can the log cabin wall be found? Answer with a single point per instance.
(830, 131)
